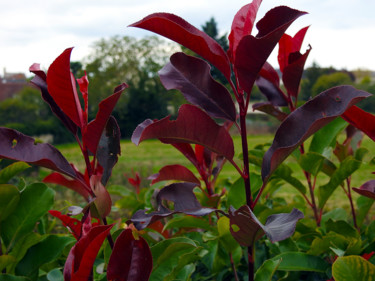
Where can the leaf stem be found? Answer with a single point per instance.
(233, 267)
(349, 194)
(109, 236)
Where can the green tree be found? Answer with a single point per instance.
(327, 81)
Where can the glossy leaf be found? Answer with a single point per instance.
(192, 77)
(295, 261)
(34, 202)
(353, 268)
(9, 198)
(242, 25)
(315, 114)
(17, 146)
(109, 148)
(12, 170)
(95, 128)
(361, 119)
(40, 80)
(183, 198)
(62, 87)
(192, 126)
(367, 189)
(131, 259)
(182, 32)
(82, 255)
(174, 172)
(267, 270)
(253, 52)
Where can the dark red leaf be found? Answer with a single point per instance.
(81, 258)
(39, 80)
(192, 126)
(242, 25)
(252, 52)
(183, 198)
(174, 172)
(76, 185)
(72, 224)
(62, 87)
(17, 146)
(187, 151)
(306, 120)
(103, 200)
(192, 77)
(367, 189)
(288, 45)
(268, 108)
(96, 127)
(83, 84)
(361, 119)
(182, 32)
(131, 259)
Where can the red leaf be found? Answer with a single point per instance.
(268, 108)
(192, 77)
(288, 45)
(17, 146)
(72, 224)
(174, 172)
(361, 119)
(306, 120)
(242, 25)
(182, 32)
(192, 126)
(62, 87)
(76, 185)
(103, 200)
(82, 255)
(96, 127)
(83, 83)
(252, 52)
(367, 189)
(131, 259)
(187, 151)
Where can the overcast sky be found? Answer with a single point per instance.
(342, 32)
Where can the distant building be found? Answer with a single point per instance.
(11, 83)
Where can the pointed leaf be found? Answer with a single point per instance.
(131, 259)
(367, 189)
(40, 80)
(12, 170)
(242, 25)
(62, 87)
(103, 200)
(267, 270)
(74, 225)
(353, 268)
(9, 198)
(361, 119)
(305, 121)
(192, 77)
(174, 172)
(252, 52)
(192, 126)
(270, 109)
(182, 32)
(295, 261)
(95, 128)
(187, 151)
(17, 146)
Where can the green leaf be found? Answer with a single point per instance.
(346, 169)
(294, 261)
(9, 198)
(187, 221)
(6, 260)
(7, 277)
(326, 136)
(353, 268)
(311, 162)
(44, 252)
(34, 202)
(284, 172)
(13, 169)
(364, 205)
(236, 194)
(335, 214)
(55, 275)
(226, 238)
(267, 270)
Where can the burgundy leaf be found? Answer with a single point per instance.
(306, 120)
(96, 127)
(246, 228)
(252, 52)
(81, 258)
(17, 146)
(361, 119)
(192, 77)
(131, 259)
(268, 108)
(72, 224)
(103, 200)
(183, 198)
(109, 148)
(182, 32)
(293, 72)
(288, 45)
(174, 172)
(83, 84)
(62, 87)
(187, 151)
(242, 25)
(367, 189)
(39, 80)
(192, 126)
(76, 185)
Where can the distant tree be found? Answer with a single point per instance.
(327, 81)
